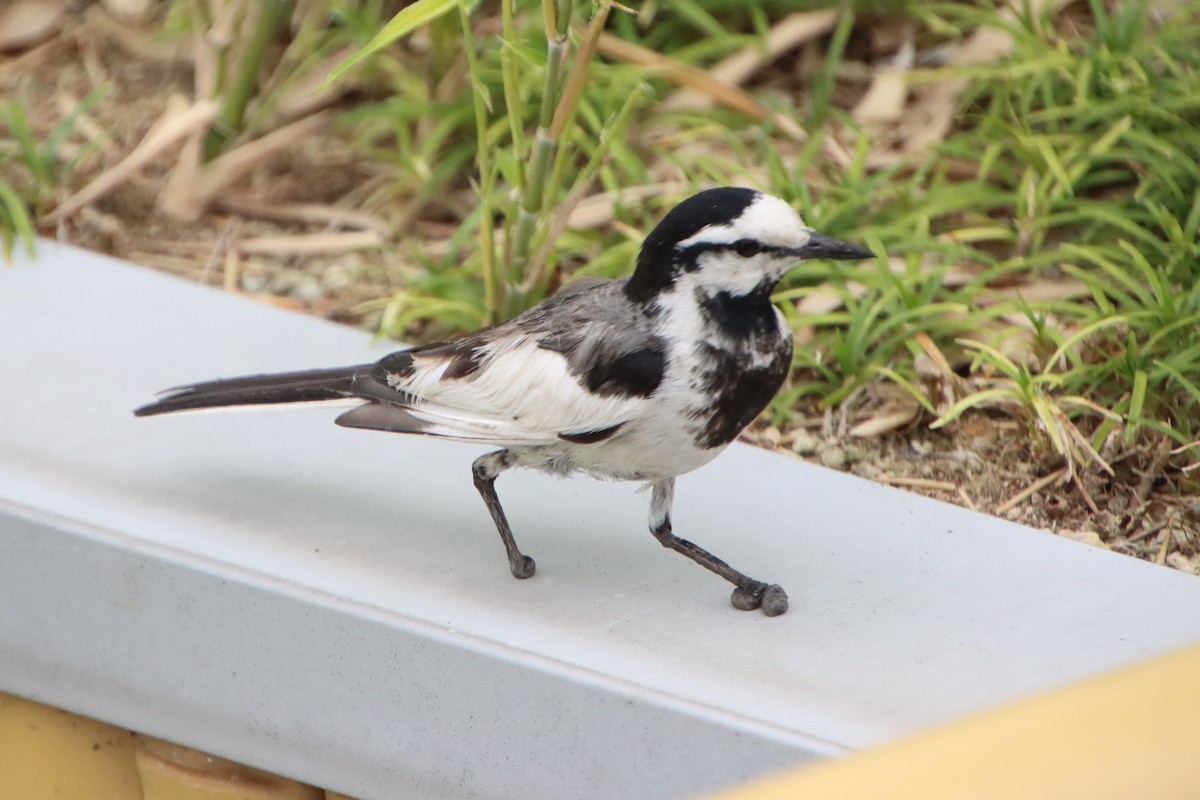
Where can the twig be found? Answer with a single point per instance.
(232, 277)
(679, 72)
(1167, 538)
(1037, 485)
(221, 248)
(917, 483)
(597, 210)
(1087, 498)
(188, 198)
(174, 126)
(306, 244)
(786, 35)
(1147, 532)
(966, 498)
(282, 245)
(1157, 461)
(249, 206)
(272, 17)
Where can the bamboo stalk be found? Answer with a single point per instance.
(273, 15)
(558, 25)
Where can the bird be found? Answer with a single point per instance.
(643, 378)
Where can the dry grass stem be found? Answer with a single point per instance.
(598, 210)
(1036, 486)
(683, 74)
(918, 483)
(249, 206)
(133, 40)
(188, 199)
(786, 35)
(171, 128)
(130, 9)
(232, 273)
(1086, 495)
(308, 244)
(29, 21)
(966, 498)
(886, 422)
(309, 95)
(885, 98)
(932, 112)
(1164, 548)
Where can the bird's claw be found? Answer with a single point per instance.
(772, 599)
(523, 568)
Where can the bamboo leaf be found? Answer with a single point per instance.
(411, 17)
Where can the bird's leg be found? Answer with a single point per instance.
(485, 469)
(749, 594)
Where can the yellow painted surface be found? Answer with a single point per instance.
(1129, 735)
(172, 772)
(49, 754)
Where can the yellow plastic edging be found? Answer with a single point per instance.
(1134, 733)
(48, 754)
(172, 772)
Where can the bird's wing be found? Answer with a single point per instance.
(560, 373)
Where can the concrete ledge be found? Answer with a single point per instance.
(334, 605)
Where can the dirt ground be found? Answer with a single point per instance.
(290, 230)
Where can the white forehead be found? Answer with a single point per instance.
(768, 220)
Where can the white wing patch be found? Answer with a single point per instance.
(522, 394)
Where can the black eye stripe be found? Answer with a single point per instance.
(746, 247)
(688, 256)
(751, 246)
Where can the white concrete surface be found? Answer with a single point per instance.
(335, 605)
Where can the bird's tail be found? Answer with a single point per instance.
(281, 387)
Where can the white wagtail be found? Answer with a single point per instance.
(639, 379)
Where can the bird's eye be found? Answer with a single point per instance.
(747, 247)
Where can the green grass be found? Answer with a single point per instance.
(32, 168)
(1076, 157)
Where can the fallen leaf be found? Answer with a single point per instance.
(786, 35)
(886, 421)
(29, 22)
(1085, 537)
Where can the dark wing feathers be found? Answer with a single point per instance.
(636, 374)
(381, 417)
(605, 351)
(284, 387)
(607, 343)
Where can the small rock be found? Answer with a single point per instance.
(834, 457)
(1184, 564)
(1055, 506)
(1107, 524)
(865, 469)
(804, 443)
(977, 432)
(1086, 537)
(770, 437)
(854, 454)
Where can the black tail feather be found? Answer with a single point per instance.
(282, 387)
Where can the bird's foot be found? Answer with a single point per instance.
(523, 567)
(772, 599)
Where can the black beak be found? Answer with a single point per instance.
(822, 246)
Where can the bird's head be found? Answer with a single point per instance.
(730, 240)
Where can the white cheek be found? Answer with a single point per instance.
(729, 273)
